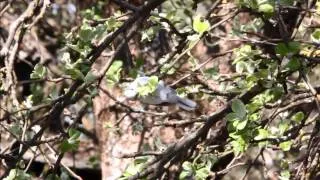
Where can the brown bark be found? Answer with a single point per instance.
(113, 144)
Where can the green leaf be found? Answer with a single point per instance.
(266, 8)
(74, 47)
(250, 67)
(285, 146)
(86, 33)
(140, 160)
(39, 71)
(73, 133)
(17, 174)
(242, 124)
(239, 108)
(202, 173)
(139, 62)
(168, 69)
(148, 88)
(239, 145)
(232, 117)
(90, 78)
(294, 64)
(153, 81)
(72, 143)
(285, 175)
(65, 146)
(315, 36)
(187, 166)
(16, 129)
(283, 127)
(262, 134)
(150, 33)
(134, 167)
(113, 23)
(212, 72)
(99, 31)
(74, 73)
(294, 47)
(114, 72)
(240, 66)
(284, 49)
(184, 175)
(298, 117)
(234, 135)
(200, 25)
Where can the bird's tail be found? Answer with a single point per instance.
(186, 104)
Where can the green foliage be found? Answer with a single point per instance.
(294, 64)
(284, 175)
(167, 69)
(239, 144)
(17, 174)
(298, 117)
(113, 74)
(262, 134)
(315, 36)
(149, 87)
(200, 25)
(198, 169)
(239, 108)
(257, 63)
(237, 123)
(94, 161)
(149, 34)
(285, 146)
(72, 68)
(90, 78)
(75, 60)
(38, 72)
(242, 124)
(285, 49)
(212, 72)
(94, 12)
(134, 168)
(74, 73)
(270, 95)
(245, 60)
(253, 25)
(37, 94)
(266, 8)
(72, 143)
(87, 33)
(16, 129)
(179, 13)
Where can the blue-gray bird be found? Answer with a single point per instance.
(162, 94)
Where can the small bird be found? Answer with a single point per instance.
(162, 94)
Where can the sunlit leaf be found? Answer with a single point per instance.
(298, 117)
(200, 25)
(285, 146)
(17, 174)
(266, 8)
(39, 71)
